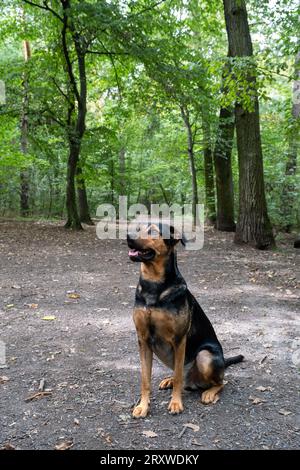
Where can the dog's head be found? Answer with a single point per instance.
(152, 242)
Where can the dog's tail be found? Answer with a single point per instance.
(233, 360)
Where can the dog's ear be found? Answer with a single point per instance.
(175, 237)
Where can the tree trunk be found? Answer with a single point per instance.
(208, 172)
(165, 196)
(76, 127)
(191, 155)
(24, 174)
(73, 220)
(222, 160)
(83, 206)
(289, 188)
(122, 172)
(253, 224)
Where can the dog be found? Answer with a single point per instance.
(170, 323)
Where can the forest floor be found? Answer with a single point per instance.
(65, 314)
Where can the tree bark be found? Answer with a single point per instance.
(253, 224)
(289, 187)
(73, 220)
(83, 206)
(24, 174)
(191, 155)
(222, 160)
(208, 172)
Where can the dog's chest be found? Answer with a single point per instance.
(162, 330)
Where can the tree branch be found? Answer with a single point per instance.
(44, 7)
(67, 56)
(106, 52)
(151, 7)
(61, 91)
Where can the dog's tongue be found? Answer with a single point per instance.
(133, 253)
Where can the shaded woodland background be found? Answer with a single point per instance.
(162, 101)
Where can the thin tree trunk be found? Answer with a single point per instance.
(122, 171)
(24, 174)
(208, 172)
(83, 206)
(289, 188)
(191, 155)
(253, 224)
(165, 196)
(73, 220)
(112, 182)
(222, 160)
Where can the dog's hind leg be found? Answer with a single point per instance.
(211, 372)
(166, 383)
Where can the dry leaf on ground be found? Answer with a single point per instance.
(3, 379)
(149, 433)
(64, 445)
(192, 426)
(74, 295)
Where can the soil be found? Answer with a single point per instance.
(65, 314)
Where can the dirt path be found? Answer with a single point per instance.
(87, 351)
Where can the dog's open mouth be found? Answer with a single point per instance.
(141, 255)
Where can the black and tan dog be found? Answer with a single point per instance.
(170, 322)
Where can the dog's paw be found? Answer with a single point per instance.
(140, 411)
(209, 397)
(166, 383)
(175, 407)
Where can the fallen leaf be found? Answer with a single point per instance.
(8, 446)
(32, 305)
(10, 305)
(64, 445)
(256, 400)
(16, 286)
(74, 296)
(261, 388)
(284, 412)
(149, 434)
(192, 426)
(49, 317)
(3, 379)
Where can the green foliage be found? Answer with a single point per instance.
(145, 60)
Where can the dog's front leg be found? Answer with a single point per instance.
(146, 355)
(175, 405)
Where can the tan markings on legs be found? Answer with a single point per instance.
(204, 361)
(205, 365)
(166, 383)
(175, 405)
(141, 320)
(141, 410)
